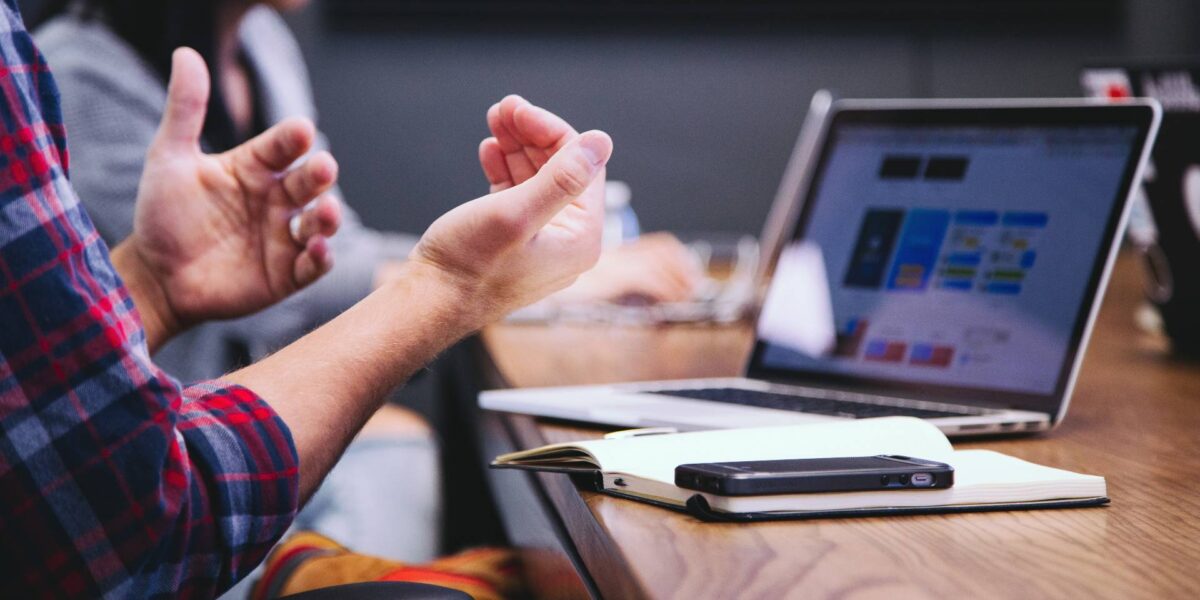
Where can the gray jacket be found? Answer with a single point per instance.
(112, 103)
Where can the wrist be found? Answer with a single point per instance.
(460, 307)
(153, 305)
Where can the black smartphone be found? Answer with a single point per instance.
(815, 475)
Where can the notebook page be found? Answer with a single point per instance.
(981, 477)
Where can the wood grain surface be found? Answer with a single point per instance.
(1135, 419)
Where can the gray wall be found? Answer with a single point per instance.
(703, 118)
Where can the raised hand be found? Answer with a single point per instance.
(524, 137)
(211, 233)
(538, 230)
(656, 268)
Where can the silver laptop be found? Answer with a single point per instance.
(961, 248)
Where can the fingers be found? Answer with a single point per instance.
(311, 228)
(539, 127)
(536, 155)
(519, 166)
(526, 136)
(507, 140)
(532, 126)
(278, 147)
(491, 158)
(321, 217)
(564, 179)
(314, 261)
(187, 101)
(310, 179)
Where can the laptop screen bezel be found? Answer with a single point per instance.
(1140, 116)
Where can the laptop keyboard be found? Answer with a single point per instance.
(820, 406)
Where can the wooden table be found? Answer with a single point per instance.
(1135, 419)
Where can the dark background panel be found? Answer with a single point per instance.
(853, 9)
(703, 98)
(703, 123)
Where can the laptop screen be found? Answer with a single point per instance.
(962, 258)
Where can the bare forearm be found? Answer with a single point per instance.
(329, 382)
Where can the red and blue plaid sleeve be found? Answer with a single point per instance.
(114, 480)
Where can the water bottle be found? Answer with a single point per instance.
(620, 221)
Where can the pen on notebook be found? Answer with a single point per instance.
(645, 431)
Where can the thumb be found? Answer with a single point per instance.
(564, 178)
(187, 100)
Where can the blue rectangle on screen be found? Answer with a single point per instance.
(1026, 219)
(851, 326)
(957, 284)
(1028, 258)
(977, 218)
(1000, 287)
(918, 249)
(876, 349)
(965, 259)
(876, 239)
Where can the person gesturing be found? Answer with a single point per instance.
(117, 480)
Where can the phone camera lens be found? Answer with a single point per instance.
(885, 480)
(904, 480)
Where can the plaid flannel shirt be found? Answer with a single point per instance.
(114, 480)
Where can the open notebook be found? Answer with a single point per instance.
(643, 468)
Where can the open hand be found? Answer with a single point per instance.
(212, 231)
(541, 226)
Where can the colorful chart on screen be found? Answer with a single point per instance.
(959, 256)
